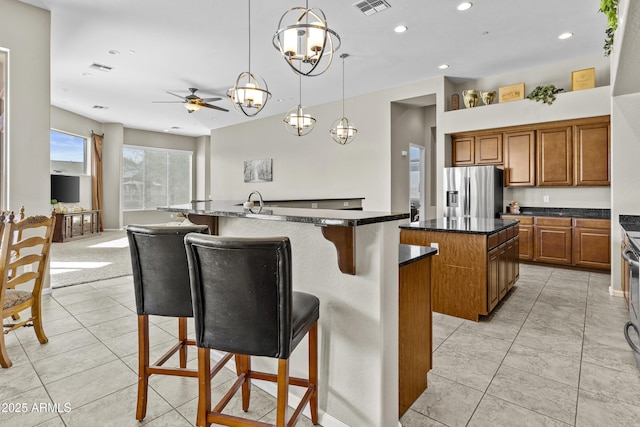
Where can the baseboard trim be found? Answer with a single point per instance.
(47, 291)
(271, 388)
(615, 292)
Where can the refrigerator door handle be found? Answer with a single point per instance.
(467, 200)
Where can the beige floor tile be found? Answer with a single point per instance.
(412, 418)
(118, 409)
(90, 305)
(303, 421)
(480, 346)
(69, 295)
(500, 329)
(170, 419)
(127, 344)
(604, 348)
(496, 412)
(463, 368)
(114, 328)
(562, 342)
(92, 384)
(16, 354)
(17, 380)
(595, 410)
(611, 383)
(53, 422)
(51, 329)
(104, 315)
(538, 394)
(72, 362)
(447, 401)
(59, 344)
(30, 408)
(545, 364)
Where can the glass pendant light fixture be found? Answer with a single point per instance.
(343, 130)
(298, 120)
(305, 40)
(249, 93)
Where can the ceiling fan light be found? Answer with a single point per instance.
(192, 106)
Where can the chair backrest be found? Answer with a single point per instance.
(242, 295)
(25, 242)
(159, 266)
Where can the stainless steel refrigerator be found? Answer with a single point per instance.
(473, 192)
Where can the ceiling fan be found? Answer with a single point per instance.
(193, 102)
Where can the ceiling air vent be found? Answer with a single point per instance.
(369, 7)
(100, 67)
(100, 107)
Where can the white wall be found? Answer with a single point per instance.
(314, 166)
(28, 105)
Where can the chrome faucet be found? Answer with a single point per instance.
(249, 204)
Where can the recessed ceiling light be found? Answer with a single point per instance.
(464, 6)
(86, 74)
(114, 52)
(400, 29)
(279, 100)
(132, 51)
(564, 36)
(443, 66)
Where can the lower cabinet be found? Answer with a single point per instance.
(503, 270)
(579, 242)
(552, 240)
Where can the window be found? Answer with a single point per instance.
(153, 177)
(68, 153)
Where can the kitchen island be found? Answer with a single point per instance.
(476, 266)
(349, 260)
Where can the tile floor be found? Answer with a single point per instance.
(552, 354)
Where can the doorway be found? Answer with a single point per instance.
(416, 182)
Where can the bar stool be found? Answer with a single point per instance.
(161, 284)
(243, 303)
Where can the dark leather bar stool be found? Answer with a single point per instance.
(161, 283)
(243, 303)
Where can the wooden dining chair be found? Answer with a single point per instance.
(27, 256)
(3, 218)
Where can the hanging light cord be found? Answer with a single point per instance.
(300, 90)
(249, 6)
(342, 84)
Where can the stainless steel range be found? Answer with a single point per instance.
(632, 256)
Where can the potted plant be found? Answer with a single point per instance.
(546, 94)
(610, 10)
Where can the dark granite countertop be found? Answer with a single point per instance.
(631, 225)
(565, 212)
(320, 217)
(408, 254)
(462, 225)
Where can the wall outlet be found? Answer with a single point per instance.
(545, 198)
(345, 204)
(437, 247)
(314, 205)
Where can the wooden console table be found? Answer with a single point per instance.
(71, 225)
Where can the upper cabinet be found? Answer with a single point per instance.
(555, 157)
(519, 158)
(566, 153)
(591, 153)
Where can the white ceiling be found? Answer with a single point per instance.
(204, 44)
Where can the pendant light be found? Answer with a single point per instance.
(298, 120)
(249, 93)
(305, 40)
(343, 130)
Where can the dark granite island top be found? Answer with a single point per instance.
(338, 226)
(462, 225)
(321, 217)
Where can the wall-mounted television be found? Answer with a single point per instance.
(65, 188)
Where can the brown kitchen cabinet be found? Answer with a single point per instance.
(463, 151)
(477, 150)
(591, 152)
(519, 158)
(592, 243)
(552, 242)
(526, 236)
(493, 278)
(554, 147)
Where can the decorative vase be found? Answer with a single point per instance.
(488, 97)
(470, 97)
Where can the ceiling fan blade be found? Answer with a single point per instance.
(215, 107)
(179, 96)
(210, 99)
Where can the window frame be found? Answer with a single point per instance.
(156, 149)
(87, 154)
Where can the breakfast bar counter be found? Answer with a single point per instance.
(359, 300)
